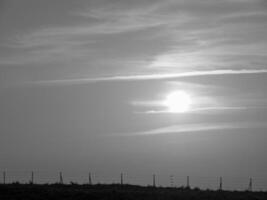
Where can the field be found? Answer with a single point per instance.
(115, 191)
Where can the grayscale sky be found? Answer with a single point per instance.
(82, 84)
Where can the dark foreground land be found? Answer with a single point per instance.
(127, 192)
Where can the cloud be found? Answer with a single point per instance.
(210, 109)
(198, 127)
(161, 39)
(104, 19)
(253, 17)
(187, 128)
(146, 77)
(119, 17)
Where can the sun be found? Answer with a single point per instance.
(178, 102)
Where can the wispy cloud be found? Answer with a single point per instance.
(147, 77)
(210, 109)
(161, 39)
(104, 19)
(199, 127)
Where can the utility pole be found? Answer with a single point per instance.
(250, 185)
(187, 182)
(154, 180)
(220, 186)
(32, 177)
(90, 179)
(4, 177)
(171, 180)
(60, 178)
(121, 178)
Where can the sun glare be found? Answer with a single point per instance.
(178, 102)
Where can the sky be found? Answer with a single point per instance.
(82, 86)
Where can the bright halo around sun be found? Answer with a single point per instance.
(178, 102)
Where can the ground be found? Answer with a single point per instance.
(115, 191)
